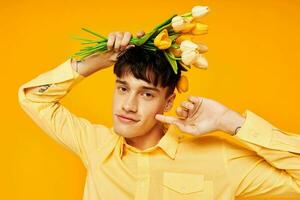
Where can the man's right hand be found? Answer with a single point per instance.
(116, 44)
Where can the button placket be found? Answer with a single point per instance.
(143, 182)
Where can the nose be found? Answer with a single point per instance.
(130, 104)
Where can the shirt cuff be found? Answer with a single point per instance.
(255, 130)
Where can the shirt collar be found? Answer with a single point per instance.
(168, 143)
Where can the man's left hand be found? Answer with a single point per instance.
(199, 115)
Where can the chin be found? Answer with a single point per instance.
(127, 131)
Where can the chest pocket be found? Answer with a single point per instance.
(186, 186)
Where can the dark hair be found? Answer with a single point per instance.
(147, 65)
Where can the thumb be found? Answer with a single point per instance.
(166, 119)
(140, 33)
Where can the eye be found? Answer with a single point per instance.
(148, 95)
(122, 89)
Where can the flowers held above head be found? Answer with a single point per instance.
(179, 38)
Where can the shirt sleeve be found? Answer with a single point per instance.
(268, 161)
(40, 97)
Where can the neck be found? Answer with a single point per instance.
(149, 139)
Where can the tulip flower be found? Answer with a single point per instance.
(188, 27)
(177, 23)
(194, 59)
(188, 19)
(188, 57)
(199, 29)
(187, 45)
(199, 11)
(162, 40)
(191, 55)
(182, 84)
(200, 62)
(191, 37)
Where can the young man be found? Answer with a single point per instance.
(147, 155)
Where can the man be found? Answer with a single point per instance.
(147, 155)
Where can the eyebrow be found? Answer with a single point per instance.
(143, 87)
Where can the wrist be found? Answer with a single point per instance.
(91, 64)
(230, 122)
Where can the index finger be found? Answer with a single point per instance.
(125, 40)
(166, 119)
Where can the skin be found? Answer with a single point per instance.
(141, 101)
(134, 99)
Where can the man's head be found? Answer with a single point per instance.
(144, 87)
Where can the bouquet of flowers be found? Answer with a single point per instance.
(179, 37)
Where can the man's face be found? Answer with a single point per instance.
(135, 104)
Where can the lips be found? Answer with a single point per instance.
(125, 118)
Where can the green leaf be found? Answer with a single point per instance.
(94, 33)
(143, 39)
(189, 14)
(91, 42)
(173, 37)
(80, 38)
(171, 61)
(173, 57)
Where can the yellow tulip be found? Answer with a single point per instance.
(188, 27)
(193, 38)
(188, 19)
(199, 29)
(182, 84)
(162, 40)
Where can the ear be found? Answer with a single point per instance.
(170, 102)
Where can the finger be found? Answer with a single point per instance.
(140, 33)
(197, 101)
(119, 37)
(194, 99)
(111, 40)
(125, 41)
(187, 105)
(129, 46)
(181, 113)
(166, 119)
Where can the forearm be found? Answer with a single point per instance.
(49, 86)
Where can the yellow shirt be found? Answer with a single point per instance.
(179, 166)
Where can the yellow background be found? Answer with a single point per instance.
(253, 64)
